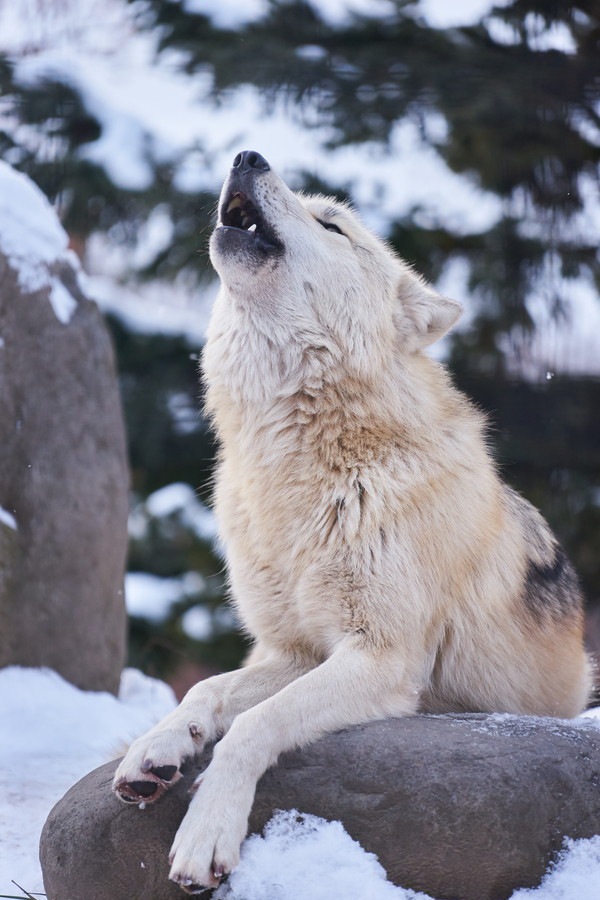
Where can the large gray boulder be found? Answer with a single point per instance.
(462, 807)
(63, 467)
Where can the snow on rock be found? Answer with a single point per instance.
(32, 239)
(574, 876)
(63, 302)
(52, 735)
(7, 518)
(303, 856)
(592, 713)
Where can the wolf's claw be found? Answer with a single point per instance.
(149, 789)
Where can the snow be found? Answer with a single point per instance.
(437, 13)
(228, 13)
(53, 734)
(151, 120)
(303, 856)
(7, 518)
(539, 36)
(171, 499)
(178, 499)
(151, 597)
(341, 12)
(155, 307)
(95, 26)
(33, 240)
(542, 38)
(63, 303)
(442, 14)
(566, 343)
(575, 876)
(197, 623)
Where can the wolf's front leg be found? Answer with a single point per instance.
(153, 762)
(354, 685)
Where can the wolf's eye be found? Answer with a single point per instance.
(330, 226)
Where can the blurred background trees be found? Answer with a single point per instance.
(472, 143)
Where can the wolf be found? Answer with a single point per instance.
(377, 560)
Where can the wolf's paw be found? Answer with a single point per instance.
(153, 763)
(207, 844)
(198, 862)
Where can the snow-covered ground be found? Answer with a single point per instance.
(52, 734)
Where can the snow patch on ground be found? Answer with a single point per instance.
(52, 735)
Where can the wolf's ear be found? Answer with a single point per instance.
(425, 316)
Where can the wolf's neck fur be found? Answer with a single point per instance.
(290, 399)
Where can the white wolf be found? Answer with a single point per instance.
(374, 555)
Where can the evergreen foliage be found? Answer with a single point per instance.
(522, 121)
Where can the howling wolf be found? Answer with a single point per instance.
(375, 557)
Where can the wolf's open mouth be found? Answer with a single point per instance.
(240, 213)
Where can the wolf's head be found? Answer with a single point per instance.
(304, 270)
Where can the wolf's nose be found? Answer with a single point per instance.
(250, 159)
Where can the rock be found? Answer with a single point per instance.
(63, 466)
(467, 807)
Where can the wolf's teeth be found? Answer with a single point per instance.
(245, 221)
(237, 201)
(252, 227)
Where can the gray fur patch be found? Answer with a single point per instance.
(552, 587)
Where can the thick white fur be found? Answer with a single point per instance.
(374, 555)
